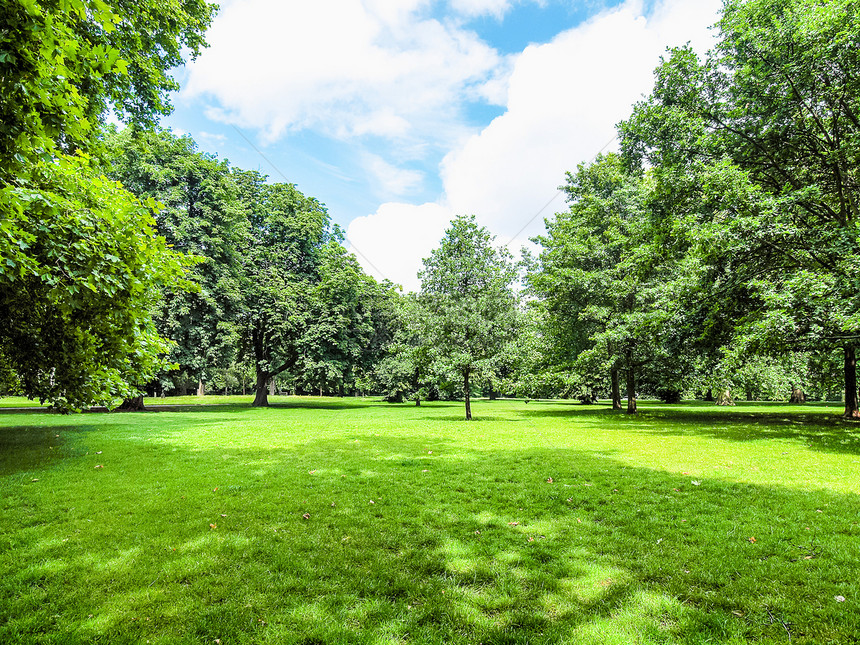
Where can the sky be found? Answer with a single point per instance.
(399, 115)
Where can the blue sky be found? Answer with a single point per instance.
(400, 114)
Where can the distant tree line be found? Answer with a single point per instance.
(718, 252)
(714, 256)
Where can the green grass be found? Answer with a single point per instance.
(187, 525)
(18, 402)
(209, 399)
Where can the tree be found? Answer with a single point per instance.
(466, 292)
(67, 62)
(792, 118)
(601, 278)
(402, 370)
(340, 327)
(281, 265)
(80, 259)
(771, 117)
(81, 265)
(200, 214)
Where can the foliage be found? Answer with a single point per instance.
(80, 268)
(80, 260)
(67, 62)
(200, 214)
(754, 151)
(466, 293)
(341, 333)
(602, 279)
(402, 370)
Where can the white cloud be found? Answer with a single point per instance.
(362, 70)
(392, 242)
(347, 69)
(392, 180)
(212, 140)
(481, 7)
(564, 99)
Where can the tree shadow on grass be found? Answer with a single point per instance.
(27, 448)
(369, 539)
(297, 404)
(817, 431)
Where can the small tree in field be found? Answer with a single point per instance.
(466, 292)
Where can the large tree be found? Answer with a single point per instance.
(601, 279)
(281, 264)
(67, 62)
(75, 286)
(200, 214)
(770, 118)
(347, 318)
(466, 292)
(79, 255)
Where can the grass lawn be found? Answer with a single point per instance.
(351, 521)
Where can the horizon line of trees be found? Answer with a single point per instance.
(716, 253)
(722, 241)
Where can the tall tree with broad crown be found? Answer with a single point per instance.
(600, 277)
(281, 266)
(466, 290)
(80, 257)
(200, 213)
(772, 114)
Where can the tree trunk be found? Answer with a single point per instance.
(134, 404)
(616, 389)
(417, 401)
(261, 399)
(797, 395)
(631, 390)
(466, 391)
(725, 398)
(201, 389)
(272, 386)
(851, 409)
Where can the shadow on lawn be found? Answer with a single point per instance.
(299, 403)
(417, 539)
(24, 448)
(817, 431)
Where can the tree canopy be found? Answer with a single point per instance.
(466, 292)
(80, 260)
(199, 214)
(756, 149)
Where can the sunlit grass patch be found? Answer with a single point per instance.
(351, 521)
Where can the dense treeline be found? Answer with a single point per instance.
(715, 255)
(721, 246)
(279, 302)
(80, 263)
